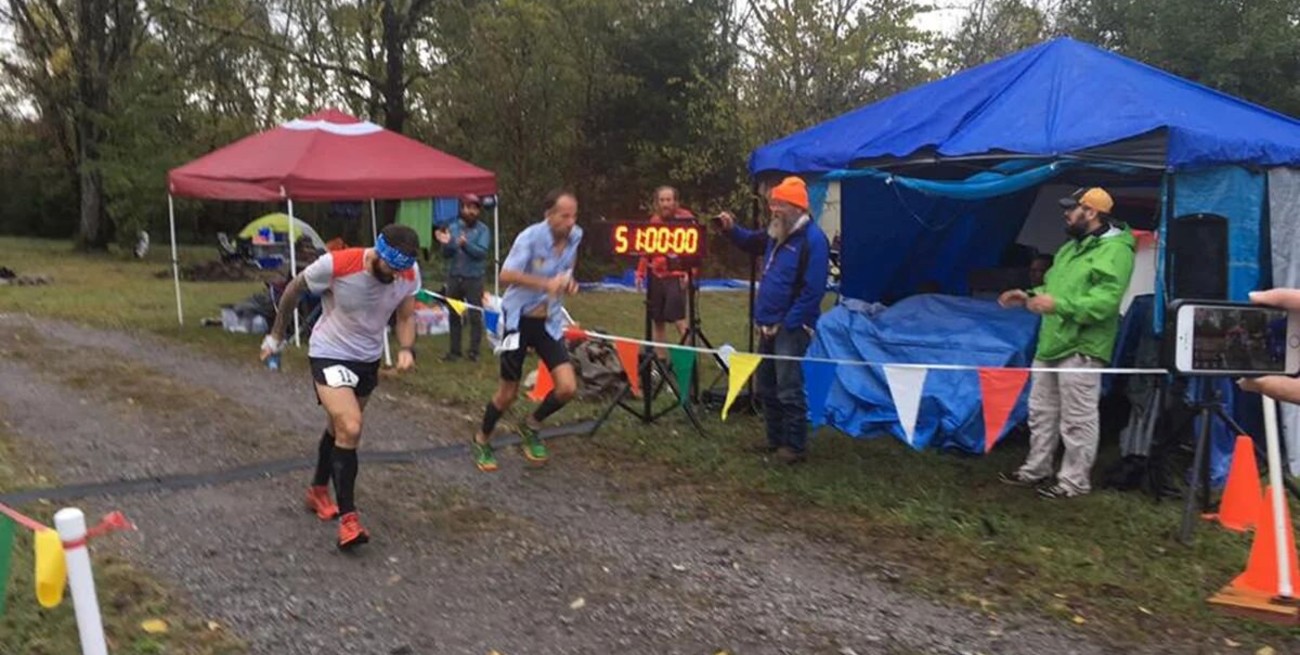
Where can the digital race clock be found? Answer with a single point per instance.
(682, 239)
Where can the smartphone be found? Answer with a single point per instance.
(1235, 339)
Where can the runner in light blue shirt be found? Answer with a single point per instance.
(539, 272)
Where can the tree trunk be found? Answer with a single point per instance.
(394, 90)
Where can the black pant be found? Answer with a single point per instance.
(470, 290)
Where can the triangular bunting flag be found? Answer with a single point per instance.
(628, 356)
(742, 366)
(1000, 389)
(905, 385)
(683, 362)
(456, 306)
(817, 380)
(544, 383)
(425, 297)
(491, 319)
(51, 569)
(7, 527)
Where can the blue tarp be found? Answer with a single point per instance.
(900, 238)
(922, 330)
(1055, 98)
(627, 282)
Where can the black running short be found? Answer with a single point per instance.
(361, 377)
(532, 334)
(667, 299)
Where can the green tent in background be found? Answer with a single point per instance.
(279, 223)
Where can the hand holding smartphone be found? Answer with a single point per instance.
(1235, 339)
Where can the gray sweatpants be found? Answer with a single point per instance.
(1063, 408)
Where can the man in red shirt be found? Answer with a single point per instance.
(667, 287)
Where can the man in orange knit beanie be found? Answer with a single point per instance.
(795, 262)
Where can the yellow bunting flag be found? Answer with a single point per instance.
(456, 305)
(742, 366)
(51, 569)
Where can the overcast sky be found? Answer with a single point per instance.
(946, 18)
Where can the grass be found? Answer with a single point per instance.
(127, 598)
(1105, 565)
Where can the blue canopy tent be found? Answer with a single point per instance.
(935, 182)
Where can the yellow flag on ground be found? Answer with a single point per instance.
(51, 569)
(456, 305)
(742, 366)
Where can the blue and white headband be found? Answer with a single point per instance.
(396, 259)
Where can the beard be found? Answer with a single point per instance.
(379, 274)
(1076, 230)
(779, 228)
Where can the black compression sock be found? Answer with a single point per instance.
(549, 406)
(490, 417)
(345, 478)
(324, 457)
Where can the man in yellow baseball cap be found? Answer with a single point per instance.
(1079, 301)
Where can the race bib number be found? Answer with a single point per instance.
(340, 376)
(508, 343)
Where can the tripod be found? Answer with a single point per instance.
(1198, 489)
(694, 335)
(647, 366)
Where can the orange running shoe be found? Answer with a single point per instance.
(351, 534)
(319, 501)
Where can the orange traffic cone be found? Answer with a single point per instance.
(543, 385)
(1242, 497)
(1261, 569)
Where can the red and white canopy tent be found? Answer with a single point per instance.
(327, 156)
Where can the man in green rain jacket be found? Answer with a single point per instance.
(1079, 301)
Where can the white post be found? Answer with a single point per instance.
(176, 267)
(496, 237)
(71, 525)
(1271, 435)
(293, 270)
(374, 238)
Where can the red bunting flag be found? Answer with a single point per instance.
(1000, 388)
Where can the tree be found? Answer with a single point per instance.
(1249, 49)
(995, 28)
(809, 60)
(67, 61)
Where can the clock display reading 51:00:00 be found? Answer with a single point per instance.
(652, 239)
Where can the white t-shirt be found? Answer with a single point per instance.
(356, 305)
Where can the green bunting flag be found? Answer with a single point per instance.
(6, 556)
(683, 361)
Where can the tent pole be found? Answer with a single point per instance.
(176, 268)
(496, 237)
(293, 270)
(374, 238)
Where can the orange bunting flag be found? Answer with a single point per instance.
(544, 383)
(628, 357)
(1000, 389)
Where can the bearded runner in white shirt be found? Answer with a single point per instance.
(360, 288)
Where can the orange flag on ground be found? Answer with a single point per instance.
(544, 383)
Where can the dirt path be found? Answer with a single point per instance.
(520, 562)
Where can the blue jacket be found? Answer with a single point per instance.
(781, 298)
(470, 260)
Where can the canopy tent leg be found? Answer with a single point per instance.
(293, 271)
(496, 237)
(374, 238)
(176, 267)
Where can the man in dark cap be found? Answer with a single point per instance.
(466, 241)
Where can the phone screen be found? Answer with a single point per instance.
(1239, 339)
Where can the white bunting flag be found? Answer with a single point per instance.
(905, 384)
